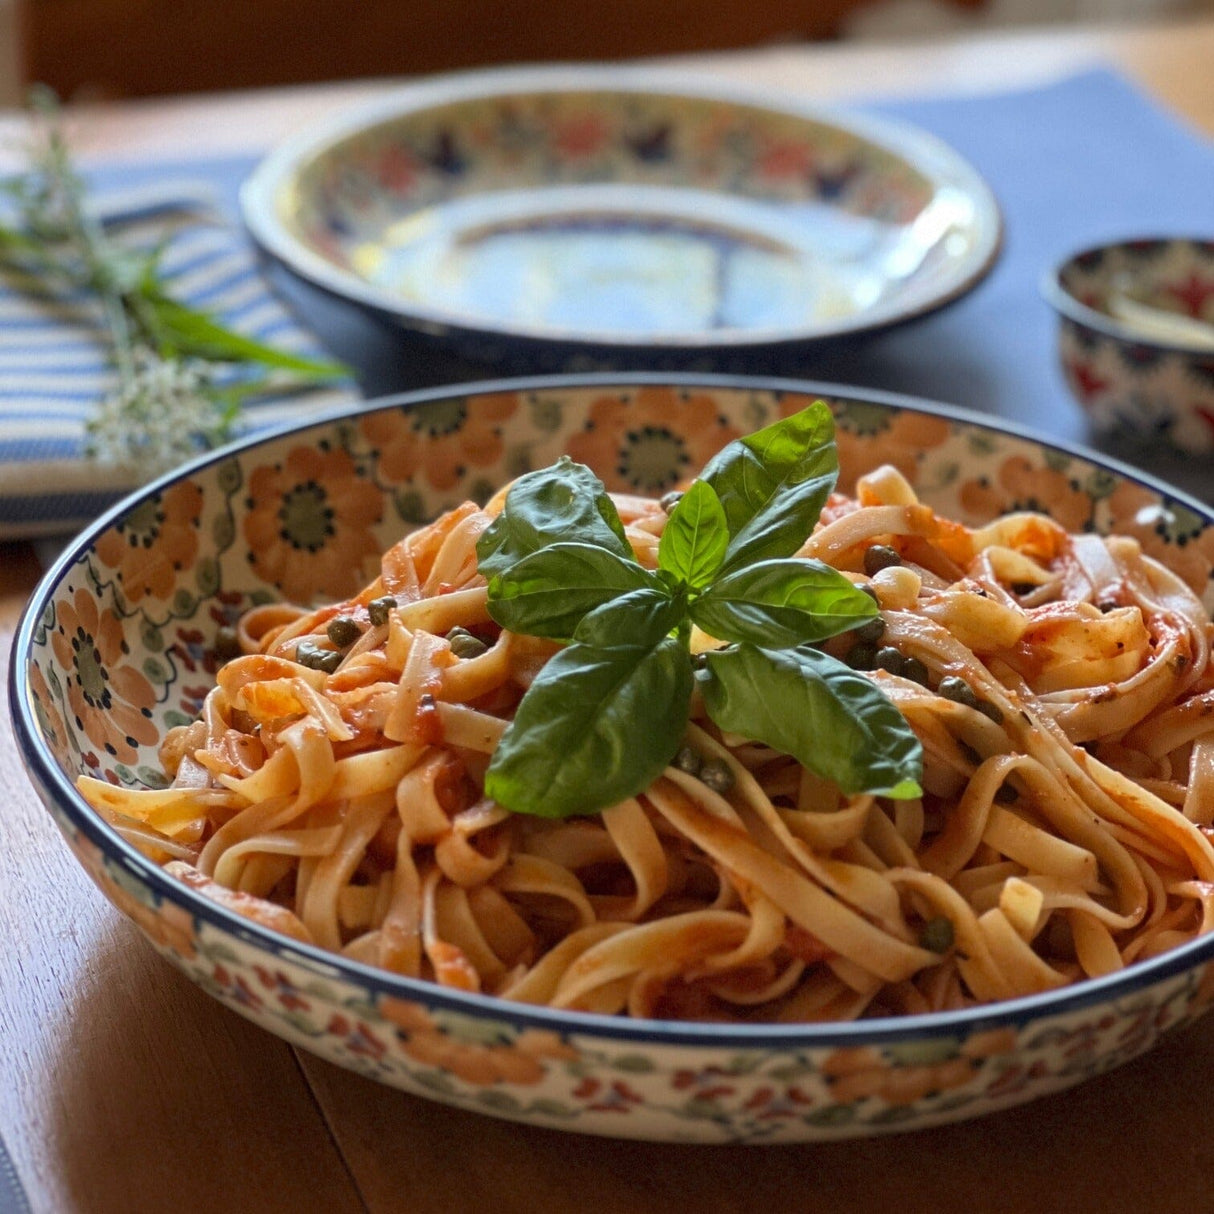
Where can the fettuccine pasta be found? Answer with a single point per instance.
(1060, 685)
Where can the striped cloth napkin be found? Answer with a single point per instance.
(54, 351)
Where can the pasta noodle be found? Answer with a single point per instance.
(1064, 699)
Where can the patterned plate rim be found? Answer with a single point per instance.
(920, 149)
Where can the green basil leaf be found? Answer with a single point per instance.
(598, 725)
(782, 603)
(640, 617)
(194, 333)
(830, 718)
(695, 537)
(546, 593)
(774, 483)
(565, 501)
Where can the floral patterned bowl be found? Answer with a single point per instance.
(557, 218)
(117, 647)
(1130, 351)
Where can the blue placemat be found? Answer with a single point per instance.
(55, 353)
(1082, 161)
(1073, 163)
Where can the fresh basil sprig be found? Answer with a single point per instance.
(607, 713)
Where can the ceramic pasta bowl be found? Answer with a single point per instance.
(1136, 341)
(118, 646)
(564, 218)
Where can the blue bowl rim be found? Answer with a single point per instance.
(1063, 302)
(54, 785)
(917, 147)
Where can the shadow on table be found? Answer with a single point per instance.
(389, 359)
(164, 1100)
(1122, 1142)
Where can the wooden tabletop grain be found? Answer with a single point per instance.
(125, 1088)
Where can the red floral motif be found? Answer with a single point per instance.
(1015, 1079)
(785, 158)
(1084, 379)
(773, 1104)
(152, 544)
(580, 137)
(398, 169)
(284, 990)
(309, 523)
(441, 439)
(1194, 294)
(706, 1083)
(357, 1037)
(613, 1097)
(111, 700)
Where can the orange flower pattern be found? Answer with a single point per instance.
(155, 542)
(104, 684)
(1170, 533)
(309, 525)
(476, 1063)
(869, 435)
(111, 700)
(856, 1073)
(166, 925)
(647, 440)
(441, 439)
(1021, 484)
(50, 720)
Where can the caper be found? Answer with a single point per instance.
(464, 644)
(937, 934)
(343, 631)
(871, 630)
(309, 653)
(378, 610)
(889, 658)
(990, 710)
(227, 643)
(957, 690)
(971, 756)
(878, 557)
(717, 775)
(689, 760)
(871, 591)
(915, 670)
(861, 656)
(668, 501)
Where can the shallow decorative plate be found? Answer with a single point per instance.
(585, 212)
(117, 647)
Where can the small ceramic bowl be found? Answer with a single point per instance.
(573, 217)
(117, 647)
(1136, 340)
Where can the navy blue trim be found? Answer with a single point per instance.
(55, 787)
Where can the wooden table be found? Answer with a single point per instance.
(125, 1088)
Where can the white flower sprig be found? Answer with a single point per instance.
(182, 376)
